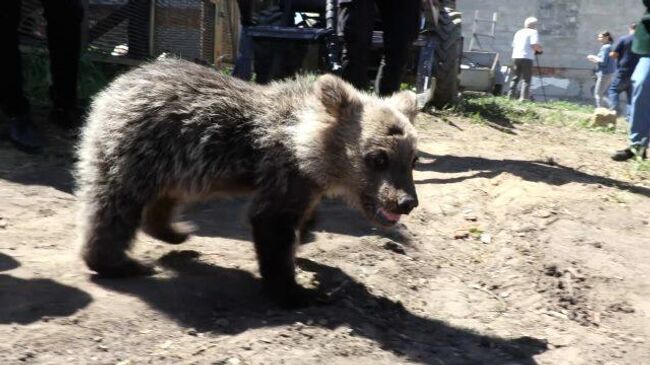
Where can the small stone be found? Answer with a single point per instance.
(486, 238)
(595, 318)
(543, 213)
(98, 339)
(526, 227)
(27, 356)
(395, 247)
(124, 362)
(192, 332)
(103, 348)
(167, 344)
(557, 315)
(621, 307)
(231, 361)
(603, 117)
(3, 224)
(471, 217)
(460, 235)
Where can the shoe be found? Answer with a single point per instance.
(629, 153)
(67, 119)
(24, 134)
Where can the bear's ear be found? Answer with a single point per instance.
(337, 96)
(406, 102)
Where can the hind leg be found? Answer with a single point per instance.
(157, 221)
(110, 224)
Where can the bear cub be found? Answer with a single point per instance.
(172, 132)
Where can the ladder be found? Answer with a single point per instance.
(476, 35)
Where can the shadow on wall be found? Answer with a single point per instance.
(198, 294)
(26, 301)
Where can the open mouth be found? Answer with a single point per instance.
(386, 218)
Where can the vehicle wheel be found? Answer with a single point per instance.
(449, 48)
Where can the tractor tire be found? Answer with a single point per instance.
(449, 49)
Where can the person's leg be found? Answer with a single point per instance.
(356, 20)
(604, 86)
(64, 19)
(599, 79)
(243, 64)
(400, 20)
(516, 77)
(626, 86)
(22, 132)
(12, 98)
(614, 92)
(640, 112)
(527, 75)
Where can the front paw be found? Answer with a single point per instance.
(295, 297)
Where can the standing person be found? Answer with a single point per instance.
(356, 23)
(64, 19)
(626, 61)
(640, 108)
(525, 45)
(605, 68)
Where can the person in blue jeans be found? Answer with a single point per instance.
(605, 69)
(626, 61)
(640, 108)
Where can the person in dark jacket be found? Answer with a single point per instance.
(626, 61)
(356, 23)
(64, 19)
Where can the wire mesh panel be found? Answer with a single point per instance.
(119, 27)
(145, 28)
(32, 23)
(137, 29)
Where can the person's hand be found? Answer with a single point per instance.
(593, 58)
(538, 52)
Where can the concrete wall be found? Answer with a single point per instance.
(567, 30)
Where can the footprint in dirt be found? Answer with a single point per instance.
(209, 298)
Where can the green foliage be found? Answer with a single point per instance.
(505, 113)
(641, 165)
(93, 76)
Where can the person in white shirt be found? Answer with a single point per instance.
(525, 46)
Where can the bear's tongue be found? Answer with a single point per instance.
(391, 217)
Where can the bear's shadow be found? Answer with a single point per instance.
(227, 219)
(214, 299)
(26, 301)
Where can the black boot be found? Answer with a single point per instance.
(628, 153)
(68, 119)
(24, 134)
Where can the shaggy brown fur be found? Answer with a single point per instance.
(173, 131)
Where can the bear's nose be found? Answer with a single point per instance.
(406, 203)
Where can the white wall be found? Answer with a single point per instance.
(567, 29)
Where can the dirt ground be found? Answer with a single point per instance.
(529, 246)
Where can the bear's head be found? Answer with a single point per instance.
(366, 148)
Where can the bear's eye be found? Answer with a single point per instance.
(415, 161)
(377, 160)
